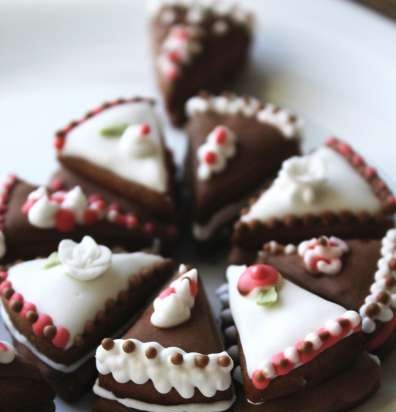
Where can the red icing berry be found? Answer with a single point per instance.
(166, 292)
(145, 129)
(174, 56)
(59, 142)
(65, 220)
(40, 324)
(221, 135)
(61, 338)
(90, 216)
(27, 307)
(257, 276)
(210, 157)
(260, 381)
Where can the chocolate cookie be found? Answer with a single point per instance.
(33, 220)
(235, 145)
(359, 274)
(172, 357)
(59, 309)
(197, 46)
(331, 192)
(21, 386)
(119, 146)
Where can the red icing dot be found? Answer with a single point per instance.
(166, 292)
(257, 276)
(65, 220)
(180, 33)
(131, 221)
(27, 307)
(392, 200)
(61, 338)
(313, 264)
(56, 184)
(16, 297)
(4, 286)
(172, 73)
(210, 157)
(259, 380)
(149, 228)
(193, 288)
(40, 324)
(281, 364)
(174, 57)
(145, 129)
(345, 149)
(90, 217)
(3, 347)
(59, 142)
(221, 135)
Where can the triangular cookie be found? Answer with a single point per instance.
(235, 144)
(198, 45)
(120, 146)
(172, 357)
(289, 338)
(33, 220)
(331, 191)
(58, 309)
(357, 274)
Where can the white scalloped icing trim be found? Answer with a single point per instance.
(384, 272)
(281, 119)
(136, 367)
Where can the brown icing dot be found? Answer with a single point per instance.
(390, 282)
(392, 264)
(323, 241)
(260, 377)
(201, 361)
(16, 306)
(128, 346)
(306, 347)
(49, 331)
(372, 310)
(31, 316)
(284, 363)
(224, 361)
(324, 336)
(383, 297)
(8, 293)
(344, 323)
(151, 353)
(177, 358)
(107, 344)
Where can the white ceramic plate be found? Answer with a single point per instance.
(331, 61)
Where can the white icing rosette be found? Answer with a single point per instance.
(7, 353)
(86, 260)
(137, 141)
(304, 175)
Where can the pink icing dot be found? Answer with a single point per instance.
(220, 135)
(27, 307)
(61, 338)
(40, 324)
(257, 276)
(210, 157)
(145, 129)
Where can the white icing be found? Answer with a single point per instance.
(386, 311)
(218, 406)
(69, 302)
(323, 255)
(266, 331)
(334, 193)
(42, 213)
(174, 308)
(281, 119)
(86, 142)
(84, 261)
(76, 201)
(3, 247)
(184, 378)
(136, 143)
(221, 146)
(7, 353)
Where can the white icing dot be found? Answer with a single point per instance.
(353, 317)
(334, 327)
(291, 353)
(314, 339)
(368, 325)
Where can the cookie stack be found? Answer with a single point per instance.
(92, 301)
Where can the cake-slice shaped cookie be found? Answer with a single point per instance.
(359, 274)
(119, 145)
(59, 309)
(21, 386)
(33, 220)
(172, 359)
(290, 340)
(198, 45)
(235, 144)
(331, 191)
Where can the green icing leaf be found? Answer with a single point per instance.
(114, 131)
(267, 297)
(52, 260)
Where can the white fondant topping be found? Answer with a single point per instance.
(323, 255)
(281, 119)
(384, 272)
(3, 247)
(69, 302)
(218, 406)
(266, 331)
(184, 378)
(173, 306)
(76, 201)
(7, 353)
(42, 213)
(84, 261)
(286, 195)
(219, 147)
(136, 143)
(87, 142)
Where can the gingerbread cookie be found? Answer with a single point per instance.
(172, 359)
(119, 145)
(235, 145)
(21, 386)
(331, 191)
(359, 274)
(58, 309)
(198, 45)
(33, 220)
(292, 343)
